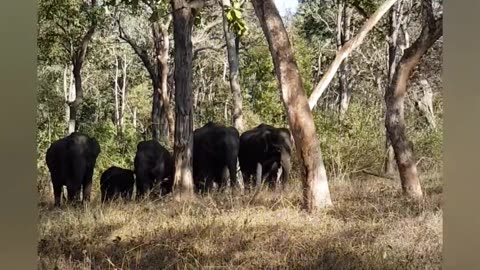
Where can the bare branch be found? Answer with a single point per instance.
(346, 49)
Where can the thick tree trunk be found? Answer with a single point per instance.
(234, 74)
(343, 35)
(183, 16)
(316, 192)
(394, 99)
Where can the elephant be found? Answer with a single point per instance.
(215, 153)
(153, 166)
(117, 182)
(71, 162)
(264, 150)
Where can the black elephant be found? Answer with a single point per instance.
(116, 182)
(215, 153)
(263, 151)
(153, 167)
(71, 162)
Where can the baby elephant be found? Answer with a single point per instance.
(117, 182)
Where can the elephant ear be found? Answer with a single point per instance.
(95, 147)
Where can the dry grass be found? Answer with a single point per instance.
(371, 227)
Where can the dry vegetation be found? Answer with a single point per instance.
(371, 227)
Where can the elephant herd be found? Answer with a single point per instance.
(263, 153)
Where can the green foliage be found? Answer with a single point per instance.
(234, 15)
(353, 144)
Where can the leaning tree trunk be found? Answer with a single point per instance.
(349, 46)
(343, 35)
(234, 74)
(183, 16)
(394, 99)
(396, 18)
(316, 192)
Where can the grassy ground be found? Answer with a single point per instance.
(370, 227)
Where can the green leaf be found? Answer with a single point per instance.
(229, 15)
(237, 13)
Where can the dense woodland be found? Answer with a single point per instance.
(120, 71)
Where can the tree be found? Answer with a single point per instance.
(183, 18)
(346, 49)
(233, 63)
(316, 192)
(394, 99)
(73, 24)
(343, 35)
(156, 65)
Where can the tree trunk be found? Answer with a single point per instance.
(77, 60)
(115, 94)
(135, 117)
(156, 113)
(161, 40)
(316, 192)
(67, 91)
(124, 93)
(234, 74)
(393, 58)
(394, 99)
(349, 46)
(183, 17)
(343, 35)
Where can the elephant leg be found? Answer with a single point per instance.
(246, 180)
(142, 186)
(87, 190)
(225, 178)
(73, 191)
(57, 194)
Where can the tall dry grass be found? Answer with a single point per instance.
(371, 227)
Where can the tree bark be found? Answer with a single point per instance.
(124, 93)
(394, 99)
(393, 58)
(115, 94)
(158, 72)
(183, 16)
(343, 35)
(67, 90)
(316, 192)
(234, 74)
(77, 60)
(162, 46)
(351, 45)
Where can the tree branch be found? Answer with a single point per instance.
(346, 49)
(140, 52)
(197, 51)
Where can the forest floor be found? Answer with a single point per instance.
(371, 227)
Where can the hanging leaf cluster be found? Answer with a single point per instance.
(235, 19)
